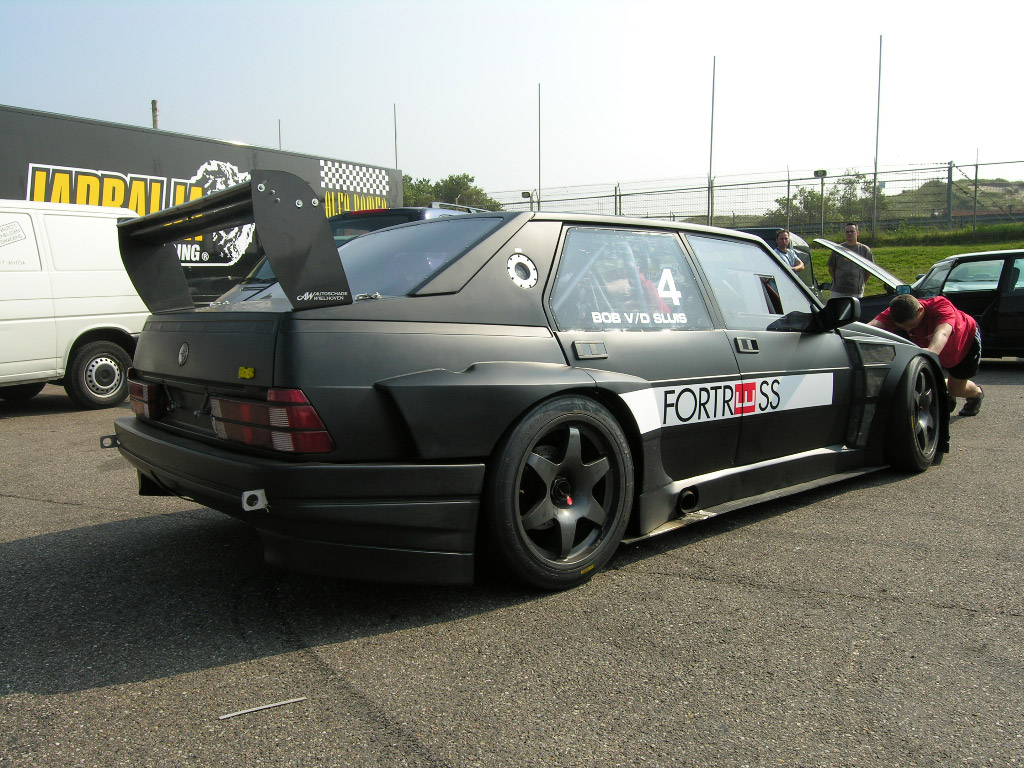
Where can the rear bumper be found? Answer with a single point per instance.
(413, 523)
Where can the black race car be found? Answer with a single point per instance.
(521, 389)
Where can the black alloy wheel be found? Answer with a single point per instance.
(912, 438)
(560, 493)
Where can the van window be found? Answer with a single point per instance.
(83, 242)
(18, 252)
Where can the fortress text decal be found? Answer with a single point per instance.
(695, 403)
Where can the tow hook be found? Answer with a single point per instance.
(254, 500)
(109, 441)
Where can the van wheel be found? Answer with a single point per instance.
(559, 494)
(98, 375)
(18, 392)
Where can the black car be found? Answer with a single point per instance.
(523, 390)
(990, 287)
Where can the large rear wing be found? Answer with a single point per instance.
(290, 226)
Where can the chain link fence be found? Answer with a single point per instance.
(945, 196)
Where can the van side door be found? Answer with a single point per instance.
(90, 286)
(28, 340)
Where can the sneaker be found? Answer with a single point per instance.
(973, 405)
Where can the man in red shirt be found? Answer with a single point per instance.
(953, 335)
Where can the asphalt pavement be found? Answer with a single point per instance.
(879, 622)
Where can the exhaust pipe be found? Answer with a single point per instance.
(688, 499)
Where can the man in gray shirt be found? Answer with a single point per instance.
(847, 278)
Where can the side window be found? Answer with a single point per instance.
(625, 280)
(753, 289)
(974, 276)
(18, 252)
(80, 243)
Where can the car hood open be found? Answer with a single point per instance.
(869, 266)
(290, 227)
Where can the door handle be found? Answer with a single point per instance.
(747, 346)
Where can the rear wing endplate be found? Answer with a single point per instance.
(290, 226)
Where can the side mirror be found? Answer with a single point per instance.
(837, 313)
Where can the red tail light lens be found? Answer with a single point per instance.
(284, 422)
(146, 399)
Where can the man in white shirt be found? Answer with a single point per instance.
(782, 248)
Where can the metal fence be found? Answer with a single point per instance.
(938, 196)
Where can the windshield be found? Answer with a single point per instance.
(930, 285)
(394, 262)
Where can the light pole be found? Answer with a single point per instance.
(821, 175)
(529, 195)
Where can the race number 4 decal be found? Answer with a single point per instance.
(667, 287)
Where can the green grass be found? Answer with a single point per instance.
(962, 237)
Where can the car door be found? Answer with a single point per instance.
(627, 308)
(972, 286)
(1005, 329)
(27, 329)
(797, 383)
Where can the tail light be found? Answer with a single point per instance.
(284, 422)
(146, 399)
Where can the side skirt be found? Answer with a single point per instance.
(691, 500)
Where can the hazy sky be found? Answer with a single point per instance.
(625, 86)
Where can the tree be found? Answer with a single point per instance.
(457, 188)
(849, 198)
(416, 192)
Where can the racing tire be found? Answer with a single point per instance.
(17, 393)
(912, 435)
(559, 494)
(98, 375)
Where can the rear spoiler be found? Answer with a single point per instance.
(290, 226)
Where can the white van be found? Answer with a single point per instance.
(68, 312)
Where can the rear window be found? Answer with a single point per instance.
(348, 227)
(394, 262)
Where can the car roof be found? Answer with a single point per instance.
(978, 255)
(415, 212)
(607, 220)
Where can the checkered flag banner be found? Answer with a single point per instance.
(349, 177)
